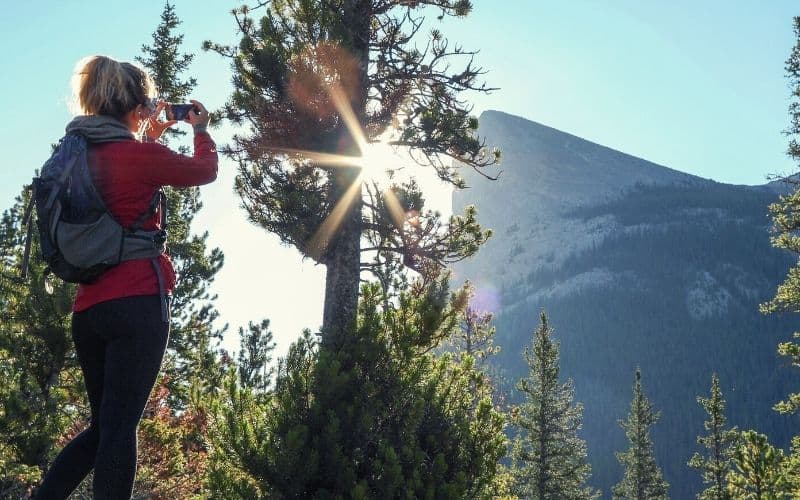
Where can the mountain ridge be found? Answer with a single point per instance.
(636, 264)
(545, 132)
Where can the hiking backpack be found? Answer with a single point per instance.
(79, 238)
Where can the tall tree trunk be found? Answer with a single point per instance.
(343, 259)
(343, 264)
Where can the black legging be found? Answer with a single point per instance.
(120, 344)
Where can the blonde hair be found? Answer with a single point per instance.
(104, 86)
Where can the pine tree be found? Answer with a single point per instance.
(166, 64)
(642, 479)
(757, 473)
(42, 390)
(550, 457)
(192, 357)
(317, 81)
(785, 220)
(476, 335)
(791, 469)
(255, 356)
(786, 223)
(383, 418)
(793, 74)
(719, 444)
(174, 433)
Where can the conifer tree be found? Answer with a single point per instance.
(550, 457)
(318, 79)
(786, 223)
(791, 469)
(757, 472)
(476, 335)
(255, 356)
(718, 445)
(383, 418)
(42, 390)
(167, 65)
(191, 355)
(793, 74)
(173, 433)
(642, 479)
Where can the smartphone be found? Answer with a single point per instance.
(179, 111)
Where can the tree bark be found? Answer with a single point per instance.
(343, 264)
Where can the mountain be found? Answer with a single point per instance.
(636, 264)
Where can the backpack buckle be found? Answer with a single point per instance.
(160, 237)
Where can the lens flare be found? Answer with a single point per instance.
(322, 237)
(375, 163)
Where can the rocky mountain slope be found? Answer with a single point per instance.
(636, 264)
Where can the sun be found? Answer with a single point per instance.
(378, 162)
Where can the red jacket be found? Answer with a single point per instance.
(127, 175)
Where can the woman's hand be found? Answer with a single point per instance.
(156, 127)
(200, 118)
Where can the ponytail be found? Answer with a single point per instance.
(104, 86)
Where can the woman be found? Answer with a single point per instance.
(119, 324)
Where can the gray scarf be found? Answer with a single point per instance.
(99, 128)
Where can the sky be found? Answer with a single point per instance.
(695, 86)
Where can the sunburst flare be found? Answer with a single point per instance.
(365, 162)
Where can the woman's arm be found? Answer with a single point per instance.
(164, 167)
(161, 166)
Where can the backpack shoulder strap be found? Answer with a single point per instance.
(76, 145)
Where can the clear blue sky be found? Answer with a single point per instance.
(696, 86)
